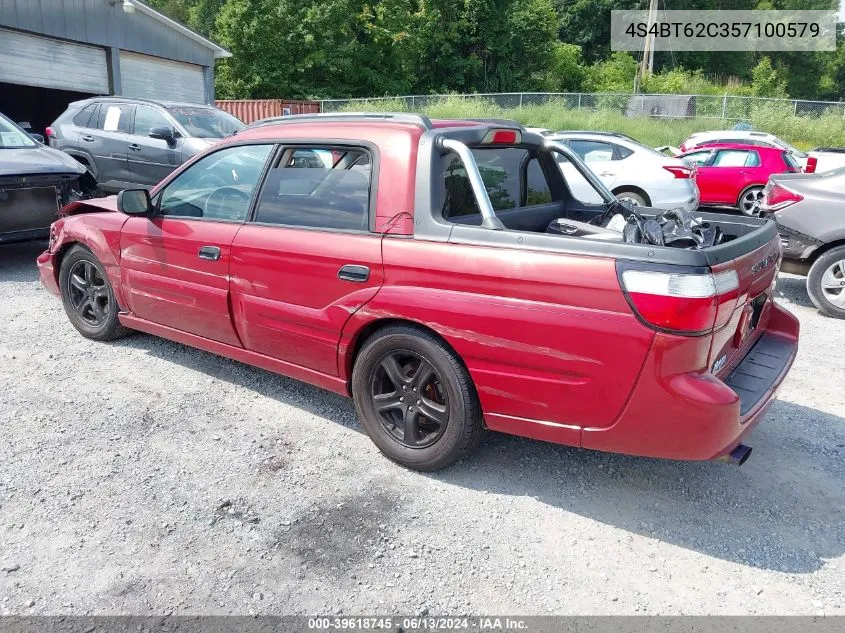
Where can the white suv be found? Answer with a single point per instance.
(633, 172)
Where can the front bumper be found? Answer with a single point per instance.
(695, 415)
(47, 272)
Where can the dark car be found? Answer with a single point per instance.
(366, 254)
(129, 143)
(810, 213)
(34, 181)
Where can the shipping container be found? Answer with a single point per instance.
(250, 110)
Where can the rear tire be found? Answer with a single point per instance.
(88, 296)
(637, 199)
(415, 399)
(826, 283)
(749, 201)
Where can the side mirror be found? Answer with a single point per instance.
(134, 202)
(164, 134)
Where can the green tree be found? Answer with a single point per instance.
(766, 80)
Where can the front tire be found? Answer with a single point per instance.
(826, 283)
(415, 399)
(749, 201)
(88, 296)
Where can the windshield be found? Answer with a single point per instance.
(13, 137)
(206, 122)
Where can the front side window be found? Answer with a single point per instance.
(147, 118)
(216, 187)
(698, 158)
(323, 188)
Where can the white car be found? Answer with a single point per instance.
(748, 137)
(828, 158)
(632, 171)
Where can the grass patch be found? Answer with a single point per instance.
(804, 132)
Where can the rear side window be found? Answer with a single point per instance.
(512, 176)
(318, 187)
(731, 158)
(592, 151)
(114, 117)
(753, 160)
(87, 117)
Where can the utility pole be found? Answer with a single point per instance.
(647, 64)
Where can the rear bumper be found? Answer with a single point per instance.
(46, 271)
(682, 194)
(697, 416)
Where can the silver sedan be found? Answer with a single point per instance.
(810, 213)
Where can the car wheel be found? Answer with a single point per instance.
(636, 199)
(826, 283)
(749, 201)
(415, 399)
(88, 297)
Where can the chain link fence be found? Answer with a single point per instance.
(722, 107)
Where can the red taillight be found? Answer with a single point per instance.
(50, 132)
(777, 197)
(812, 163)
(679, 302)
(502, 137)
(679, 171)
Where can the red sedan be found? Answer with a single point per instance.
(734, 174)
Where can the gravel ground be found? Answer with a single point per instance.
(145, 477)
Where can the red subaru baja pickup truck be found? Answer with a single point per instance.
(442, 274)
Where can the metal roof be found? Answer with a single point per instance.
(219, 51)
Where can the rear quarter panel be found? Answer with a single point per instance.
(546, 337)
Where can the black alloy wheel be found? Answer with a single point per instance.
(88, 297)
(409, 398)
(88, 293)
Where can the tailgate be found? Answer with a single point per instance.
(746, 314)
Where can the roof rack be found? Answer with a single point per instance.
(121, 98)
(397, 117)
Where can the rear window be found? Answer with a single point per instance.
(512, 176)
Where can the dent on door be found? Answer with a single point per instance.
(293, 290)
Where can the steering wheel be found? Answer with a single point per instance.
(210, 179)
(225, 203)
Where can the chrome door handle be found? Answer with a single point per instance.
(135, 147)
(351, 272)
(88, 138)
(211, 253)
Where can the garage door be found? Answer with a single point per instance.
(157, 78)
(30, 60)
